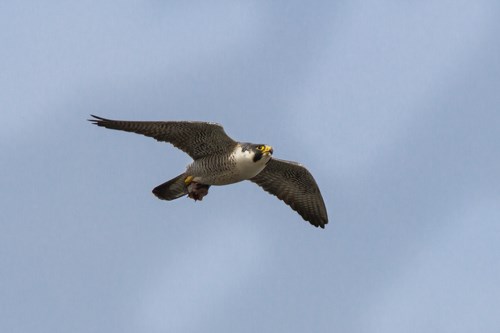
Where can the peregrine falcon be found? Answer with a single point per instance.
(219, 160)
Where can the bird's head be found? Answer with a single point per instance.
(262, 151)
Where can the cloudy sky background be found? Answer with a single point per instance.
(393, 106)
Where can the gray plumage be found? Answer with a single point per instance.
(294, 184)
(195, 138)
(219, 160)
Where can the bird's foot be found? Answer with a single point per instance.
(197, 191)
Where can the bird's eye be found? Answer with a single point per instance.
(260, 147)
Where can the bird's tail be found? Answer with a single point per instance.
(173, 189)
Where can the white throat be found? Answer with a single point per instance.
(245, 164)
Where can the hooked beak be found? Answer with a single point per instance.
(268, 150)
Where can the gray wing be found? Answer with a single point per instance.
(294, 184)
(196, 138)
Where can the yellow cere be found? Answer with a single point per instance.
(267, 149)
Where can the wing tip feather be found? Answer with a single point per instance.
(97, 120)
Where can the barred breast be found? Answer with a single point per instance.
(226, 169)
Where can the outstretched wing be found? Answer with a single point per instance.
(294, 184)
(196, 138)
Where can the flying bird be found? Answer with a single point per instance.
(219, 160)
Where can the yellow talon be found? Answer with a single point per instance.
(188, 180)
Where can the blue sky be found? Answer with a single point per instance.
(393, 106)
